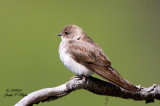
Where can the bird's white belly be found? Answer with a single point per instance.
(70, 63)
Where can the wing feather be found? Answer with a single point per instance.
(93, 57)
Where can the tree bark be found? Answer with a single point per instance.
(93, 85)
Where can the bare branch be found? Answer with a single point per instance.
(93, 85)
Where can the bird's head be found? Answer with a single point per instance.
(71, 32)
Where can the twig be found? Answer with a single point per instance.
(93, 85)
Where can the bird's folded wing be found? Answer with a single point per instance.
(93, 58)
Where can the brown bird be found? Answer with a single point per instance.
(80, 54)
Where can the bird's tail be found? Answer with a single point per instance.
(114, 77)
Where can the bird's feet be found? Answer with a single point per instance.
(80, 77)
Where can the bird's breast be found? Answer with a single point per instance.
(70, 63)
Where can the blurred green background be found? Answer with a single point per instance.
(127, 30)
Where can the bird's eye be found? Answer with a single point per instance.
(66, 33)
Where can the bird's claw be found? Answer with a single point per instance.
(80, 77)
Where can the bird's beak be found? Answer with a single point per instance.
(58, 34)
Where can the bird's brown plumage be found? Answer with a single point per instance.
(84, 51)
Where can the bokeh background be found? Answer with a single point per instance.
(127, 30)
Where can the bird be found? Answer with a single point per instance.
(80, 54)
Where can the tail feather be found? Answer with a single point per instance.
(114, 77)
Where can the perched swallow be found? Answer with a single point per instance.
(80, 54)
